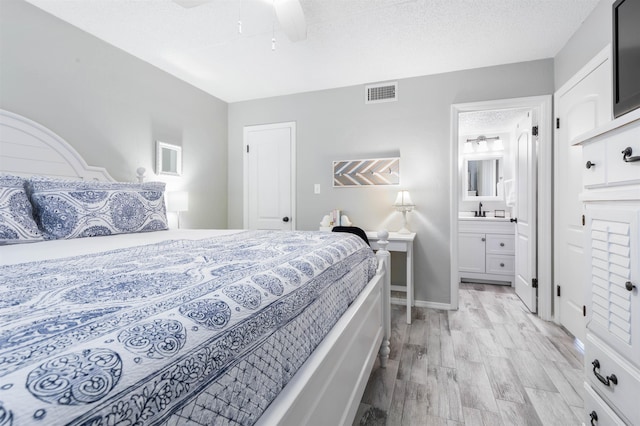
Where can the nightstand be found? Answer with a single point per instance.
(399, 243)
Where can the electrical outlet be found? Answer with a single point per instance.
(316, 188)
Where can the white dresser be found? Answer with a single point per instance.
(486, 249)
(612, 232)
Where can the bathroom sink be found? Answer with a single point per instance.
(469, 216)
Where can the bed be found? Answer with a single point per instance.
(181, 326)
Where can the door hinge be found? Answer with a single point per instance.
(583, 220)
(247, 149)
(557, 123)
(584, 311)
(534, 130)
(534, 282)
(558, 291)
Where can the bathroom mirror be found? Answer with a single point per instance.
(168, 159)
(482, 178)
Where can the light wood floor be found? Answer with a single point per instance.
(489, 363)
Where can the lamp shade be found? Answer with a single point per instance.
(403, 199)
(178, 201)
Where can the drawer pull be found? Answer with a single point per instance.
(501, 265)
(629, 286)
(501, 244)
(483, 239)
(590, 164)
(626, 155)
(604, 380)
(594, 418)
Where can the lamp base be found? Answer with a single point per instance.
(404, 230)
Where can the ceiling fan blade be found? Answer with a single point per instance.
(291, 18)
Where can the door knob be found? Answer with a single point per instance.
(285, 219)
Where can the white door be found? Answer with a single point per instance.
(270, 176)
(580, 105)
(525, 212)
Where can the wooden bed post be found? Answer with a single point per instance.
(384, 258)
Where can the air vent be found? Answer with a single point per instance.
(381, 92)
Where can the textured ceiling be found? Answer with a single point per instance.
(488, 123)
(348, 41)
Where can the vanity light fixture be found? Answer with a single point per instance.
(468, 148)
(404, 204)
(482, 144)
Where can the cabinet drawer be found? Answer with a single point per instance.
(500, 244)
(623, 395)
(619, 172)
(596, 411)
(502, 265)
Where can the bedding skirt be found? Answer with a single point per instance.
(179, 332)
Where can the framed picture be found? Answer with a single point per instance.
(498, 213)
(168, 159)
(378, 171)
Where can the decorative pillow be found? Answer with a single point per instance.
(16, 216)
(76, 209)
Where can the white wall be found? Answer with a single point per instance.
(111, 107)
(336, 124)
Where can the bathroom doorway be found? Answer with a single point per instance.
(494, 149)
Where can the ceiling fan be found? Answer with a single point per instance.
(289, 13)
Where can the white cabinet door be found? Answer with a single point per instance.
(613, 310)
(471, 252)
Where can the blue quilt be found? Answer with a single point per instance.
(181, 332)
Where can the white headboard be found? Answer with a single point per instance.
(28, 148)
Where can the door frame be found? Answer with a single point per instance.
(291, 125)
(542, 104)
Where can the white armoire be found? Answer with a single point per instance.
(611, 195)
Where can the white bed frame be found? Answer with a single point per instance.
(328, 388)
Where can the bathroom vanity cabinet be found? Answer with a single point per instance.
(486, 250)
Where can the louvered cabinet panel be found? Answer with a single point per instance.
(612, 247)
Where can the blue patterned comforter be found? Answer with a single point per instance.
(181, 332)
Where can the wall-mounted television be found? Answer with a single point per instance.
(626, 56)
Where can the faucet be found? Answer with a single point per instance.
(479, 212)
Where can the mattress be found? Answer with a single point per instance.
(172, 329)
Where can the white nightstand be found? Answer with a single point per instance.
(399, 243)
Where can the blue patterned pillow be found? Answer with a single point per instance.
(16, 216)
(76, 209)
